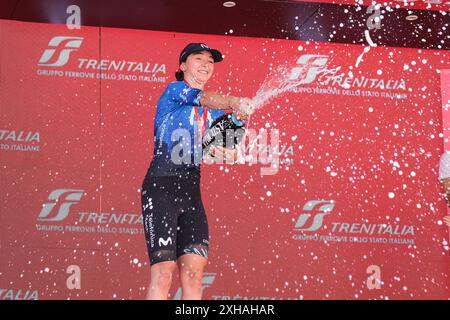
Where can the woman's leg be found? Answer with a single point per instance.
(161, 280)
(160, 225)
(191, 268)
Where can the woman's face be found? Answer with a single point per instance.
(198, 68)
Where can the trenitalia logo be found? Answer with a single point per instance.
(62, 45)
(313, 68)
(14, 294)
(310, 66)
(348, 232)
(58, 207)
(317, 210)
(66, 197)
(58, 53)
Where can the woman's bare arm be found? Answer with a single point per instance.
(243, 107)
(214, 100)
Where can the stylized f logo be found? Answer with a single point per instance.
(67, 197)
(317, 208)
(65, 45)
(311, 64)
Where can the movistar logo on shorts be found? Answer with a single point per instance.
(309, 67)
(60, 201)
(314, 211)
(59, 50)
(165, 242)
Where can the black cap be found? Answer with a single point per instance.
(197, 47)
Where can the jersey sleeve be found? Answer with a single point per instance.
(182, 94)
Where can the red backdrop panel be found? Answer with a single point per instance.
(362, 132)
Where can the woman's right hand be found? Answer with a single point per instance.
(242, 107)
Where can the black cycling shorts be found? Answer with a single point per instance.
(174, 217)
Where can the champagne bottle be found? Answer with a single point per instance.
(226, 131)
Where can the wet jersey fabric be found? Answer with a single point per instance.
(177, 138)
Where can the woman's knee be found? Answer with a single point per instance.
(191, 275)
(162, 273)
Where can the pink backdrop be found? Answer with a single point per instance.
(359, 193)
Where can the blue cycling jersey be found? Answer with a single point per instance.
(178, 148)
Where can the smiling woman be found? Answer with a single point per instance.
(174, 218)
(200, 66)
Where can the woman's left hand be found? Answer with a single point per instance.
(242, 107)
(220, 153)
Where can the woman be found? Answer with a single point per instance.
(175, 223)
